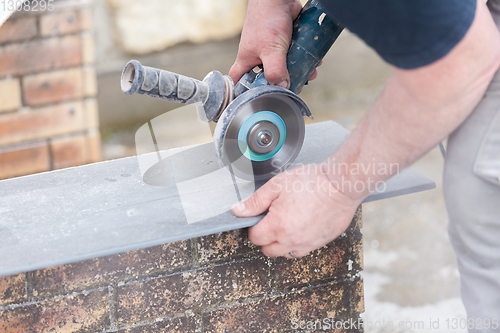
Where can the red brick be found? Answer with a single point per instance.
(80, 313)
(12, 289)
(53, 87)
(190, 290)
(40, 55)
(182, 324)
(24, 159)
(42, 123)
(229, 245)
(59, 23)
(93, 273)
(17, 29)
(69, 151)
(275, 314)
(326, 263)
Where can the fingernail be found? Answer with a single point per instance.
(283, 84)
(240, 207)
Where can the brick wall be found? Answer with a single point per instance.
(217, 283)
(48, 108)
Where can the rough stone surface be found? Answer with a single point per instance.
(182, 324)
(224, 246)
(121, 267)
(276, 314)
(142, 27)
(12, 289)
(330, 261)
(80, 313)
(212, 286)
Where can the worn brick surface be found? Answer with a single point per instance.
(12, 289)
(330, 261)
(276, 314)
(42, 123)
(88, 49)
(59, 23)
(91, 112)
(53, 87)
(357, 221)
(94, 146)
(183, 324)
(200, 288)
(111, 269)
(24, 159)
(358, 298)
(225, 246)
(17, 29)
(356, 248)
(69, 151)
(89, 82)
(10, 94)
(86, 19)
(40, 55)
(80, 313)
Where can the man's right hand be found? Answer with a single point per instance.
(266, 38)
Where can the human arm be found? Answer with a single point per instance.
(416, 110)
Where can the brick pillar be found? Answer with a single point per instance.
(216, 283)
(48, 109)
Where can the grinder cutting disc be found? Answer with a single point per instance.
(261, 132)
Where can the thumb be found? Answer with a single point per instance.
(257, 203)
(275, 69)
(239, 68)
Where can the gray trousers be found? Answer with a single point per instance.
(472, 195)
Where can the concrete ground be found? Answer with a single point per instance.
(410, 275)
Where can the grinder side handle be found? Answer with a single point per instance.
(314, 33)
(210, 95)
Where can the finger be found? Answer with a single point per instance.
(257, 203)
(296, 255)
(275, 69)
(295, 10)
(276, 250)
(264, 232)
(238, 69)
(313, 75)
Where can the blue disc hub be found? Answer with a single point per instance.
(248, 125)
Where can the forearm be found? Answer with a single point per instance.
(417, 109)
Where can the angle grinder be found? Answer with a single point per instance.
(260, 128)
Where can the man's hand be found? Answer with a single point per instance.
(266, 38)
(305, 212)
